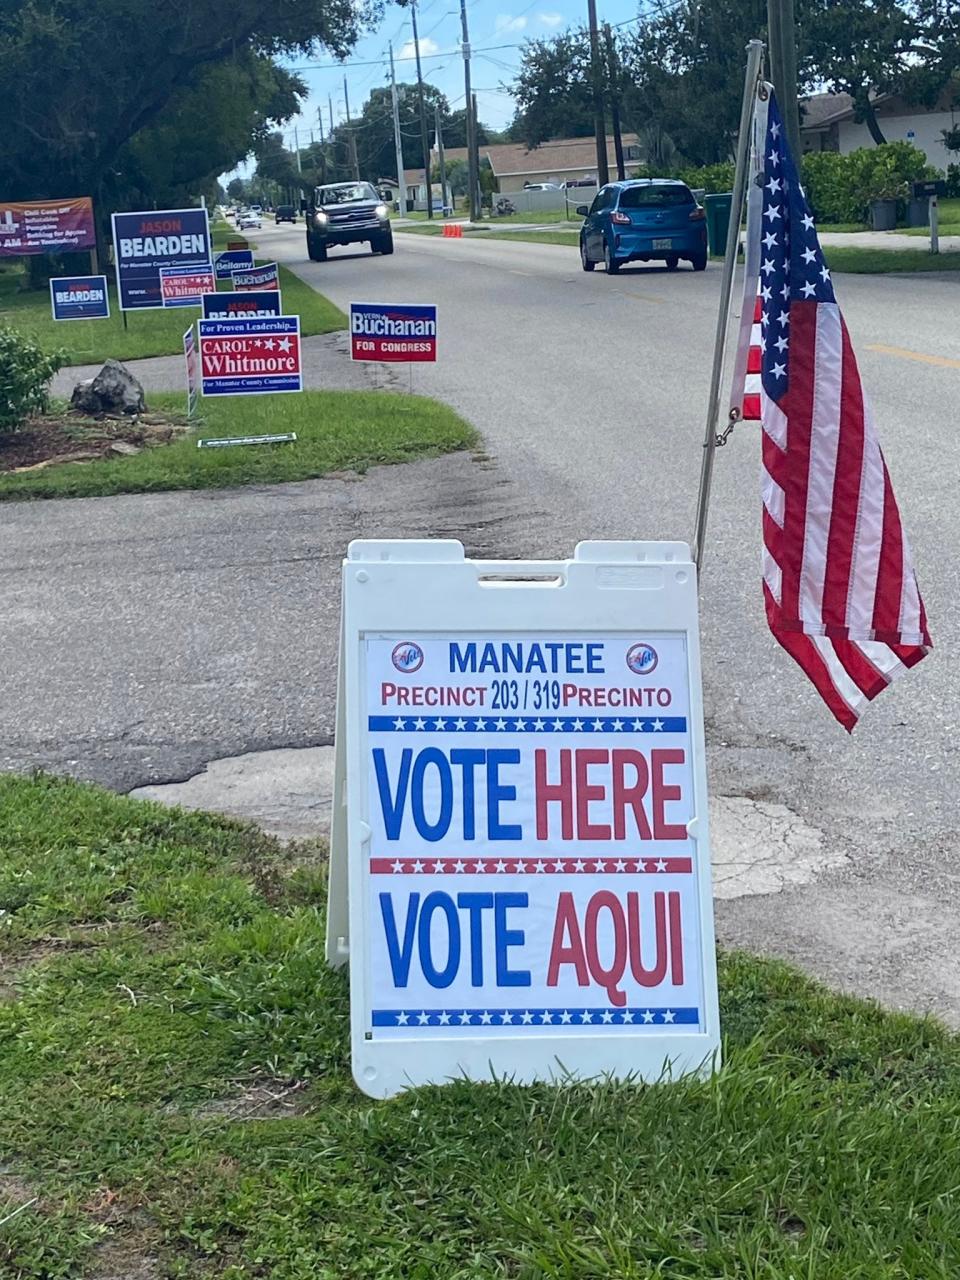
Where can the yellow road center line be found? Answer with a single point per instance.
(942, 362)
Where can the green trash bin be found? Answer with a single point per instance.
(718, 221)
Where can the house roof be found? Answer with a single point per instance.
(820, 110)
(513, 160)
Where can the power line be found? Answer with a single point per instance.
(380, 62)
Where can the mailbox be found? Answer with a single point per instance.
(922, 190)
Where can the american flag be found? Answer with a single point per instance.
(839, 586)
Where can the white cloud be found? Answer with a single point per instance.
(551, 19)
(427, 46)
(504, 22)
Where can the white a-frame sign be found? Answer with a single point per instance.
(520, 868)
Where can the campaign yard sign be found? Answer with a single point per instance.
(193, 371)
(255, 278)
(520, 872)
(46, 226)
(250, 356)
(79, 298)
(258, 304)
(185, 286)
(394, 333)
(228, 260)
(145, 243)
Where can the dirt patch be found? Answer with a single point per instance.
(263, 1099)
(71, 437)
(130, 1252)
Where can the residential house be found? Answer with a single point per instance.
(828, 124)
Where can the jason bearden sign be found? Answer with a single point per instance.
(250, 356)
(534, 877)
(145, 243)
(393, 333)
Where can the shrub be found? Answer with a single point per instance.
(840, 188)
(711, 177)
(25, 370)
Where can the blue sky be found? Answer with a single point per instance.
(497, 30)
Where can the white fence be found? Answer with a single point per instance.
(534, 202)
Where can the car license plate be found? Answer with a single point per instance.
(663, 244)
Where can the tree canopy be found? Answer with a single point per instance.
(83, 81)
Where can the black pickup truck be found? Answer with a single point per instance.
(347, 213)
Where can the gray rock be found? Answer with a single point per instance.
(113, 390)
(124, 448)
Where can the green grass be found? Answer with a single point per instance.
(335, 430)
(148, 333)
(884, 261)
(161, 971)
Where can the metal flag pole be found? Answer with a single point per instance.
(754, 59)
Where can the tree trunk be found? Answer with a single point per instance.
(865, 107)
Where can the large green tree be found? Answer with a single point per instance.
(81, 80)
(552, 90)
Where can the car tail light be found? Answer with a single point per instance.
(698, 214)
(621, 218)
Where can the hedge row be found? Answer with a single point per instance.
(839, 188)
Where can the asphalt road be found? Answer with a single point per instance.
(147, 636)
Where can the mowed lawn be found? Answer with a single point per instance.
(146, 333)
(175, 1099)
(335, 430)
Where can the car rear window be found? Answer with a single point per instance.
(654, 197)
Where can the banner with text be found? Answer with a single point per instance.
(144, 243)
(393, 333)
(46, 226)
(250, 356)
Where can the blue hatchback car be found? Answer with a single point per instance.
(642, 220)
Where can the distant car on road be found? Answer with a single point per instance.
(248, 218)
(542, 186)
(285, 213)
(642, 220)
(347, 213)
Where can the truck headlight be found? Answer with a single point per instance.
(382, 211)
(320, 218)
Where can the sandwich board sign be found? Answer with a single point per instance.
(520, 871)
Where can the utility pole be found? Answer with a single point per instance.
(473, 168)
(782, 36)
(330, 106)
(296, 143)
(613, 70)
(442, 160)
(323, 147)
(351, 136)
(423, 114)
(397, 139)
(596, 78)
(475, 119)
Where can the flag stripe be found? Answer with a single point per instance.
(840, 591)
(824, 443)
